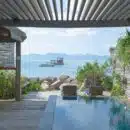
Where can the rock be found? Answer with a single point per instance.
(62, 85)
(62, 78)
(74, 81)
(54, 79)
(45, 85)
(69, 80)
(50, 80)
(56, 84)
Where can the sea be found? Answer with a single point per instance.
(31, 68)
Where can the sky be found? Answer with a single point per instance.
(70, 41)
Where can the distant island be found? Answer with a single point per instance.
(50, 56)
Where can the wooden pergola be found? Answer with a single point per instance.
(14, 35)
(65, 13)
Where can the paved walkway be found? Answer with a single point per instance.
(24, 115)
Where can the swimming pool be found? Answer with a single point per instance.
(93, 114)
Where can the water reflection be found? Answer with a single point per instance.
(119, 119)
(94, 114)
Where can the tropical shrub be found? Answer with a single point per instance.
(36, 86)
(122, 54)
(23, 81)
(32, 86)
(93, 72)
(117, 90)
(116, 78)
(7, 84)
(107, 83)
(123, 51)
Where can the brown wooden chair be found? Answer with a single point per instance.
(95, 91)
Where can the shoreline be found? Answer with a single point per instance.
(46, 77)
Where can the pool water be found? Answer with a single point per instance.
(92, 114)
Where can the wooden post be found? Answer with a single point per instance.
(18, 72)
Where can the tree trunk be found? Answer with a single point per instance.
(94, 79)
(124, 73)
(124, 69)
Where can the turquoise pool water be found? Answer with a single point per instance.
(93, 114)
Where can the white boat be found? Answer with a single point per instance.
(47, 64)
(52, 63)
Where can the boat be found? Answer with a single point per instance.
(59, 61)
(47, 64)
(52, 63)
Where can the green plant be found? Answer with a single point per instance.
(23, 81)
(7, 84)
(32, 86)
(107, 83)
(36, 86)
(93, 72)
(123, 51)
(117, 90)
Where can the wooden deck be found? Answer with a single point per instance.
(24, 115)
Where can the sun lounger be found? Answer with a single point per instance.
(69, 91)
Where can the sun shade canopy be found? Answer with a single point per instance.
(65, 13)
(11, 34)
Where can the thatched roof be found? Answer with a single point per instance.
(11, 34)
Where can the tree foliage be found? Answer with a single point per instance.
(123, 51)
(107, 82)
(32, 86)
(117, 90)
(7, 84)
(92, 71)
